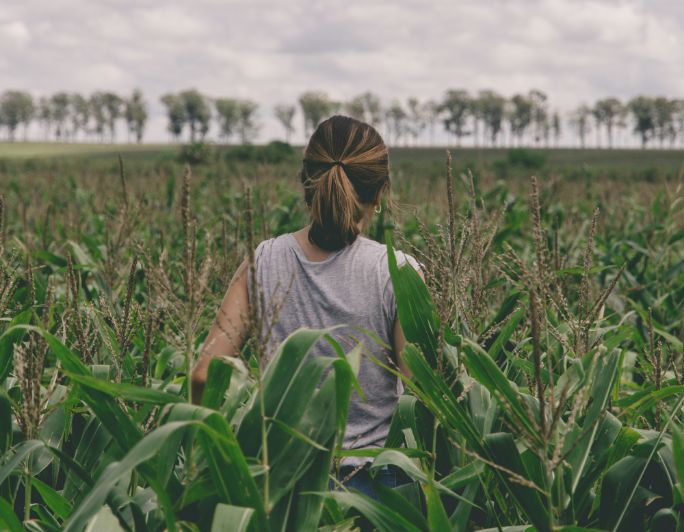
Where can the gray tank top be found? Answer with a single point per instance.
(350, 287)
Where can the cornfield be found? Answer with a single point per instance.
(545, 347)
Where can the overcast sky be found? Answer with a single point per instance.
(273, 50)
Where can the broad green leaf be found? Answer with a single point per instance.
(506, 332)
(374, 452)
(634, 484)
(404, 417)
(486, 372)
(344, 380)
(503, 449)
(415, 309)
(8, 519)
(127, 392)
(104, 521)
(382, 517)
(397, 458)
(648, 400)
(301, 415)
(483, 408)
(114, 472)
(55, 501)
(617, 487)
(353, 358)
(162, 360)
(297, 435)
(613, 441)
(217, 441)
(460, 518)
(299, 463)
(290, 462)
(463, 476)
(438, 397)
(678, 452)
(400, 460)
(227, 465)
(570, 381)
(95, 440)
(305, 503)
(392, 499)
(436, 515)
(580, 439)
(229, 518)
(619, 448)
(218, 381)
(51, 432)
(288, 384)
(13, 457)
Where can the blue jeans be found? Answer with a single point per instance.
(361, 479)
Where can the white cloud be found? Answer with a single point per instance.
(170, 22)
(14, 33)
(271, 51)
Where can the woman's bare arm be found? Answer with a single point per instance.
(228, 332)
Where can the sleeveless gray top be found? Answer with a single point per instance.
(350, 287)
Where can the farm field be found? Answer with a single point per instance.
(546, 345)
(669, 159)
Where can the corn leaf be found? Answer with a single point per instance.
(218, 381)
(229, 518)
(415, 309)
(383, 518)
(504, 451)
(8, 519)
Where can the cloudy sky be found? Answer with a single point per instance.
(273, 50)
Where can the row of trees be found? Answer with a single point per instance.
(491, 119)
(660, 119)
(234, 117)
(66, 116)
(486, 117)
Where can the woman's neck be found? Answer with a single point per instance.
(314, 253)
(311, 251)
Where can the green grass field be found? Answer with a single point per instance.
(29, 150)
(555, 157)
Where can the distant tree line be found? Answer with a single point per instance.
(193, 110)
(70, 116)
(491, 119)
(487, 118)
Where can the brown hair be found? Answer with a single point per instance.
(345, 167)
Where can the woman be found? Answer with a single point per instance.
(326, 274)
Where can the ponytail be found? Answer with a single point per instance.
(345, 168)
(335, 210)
